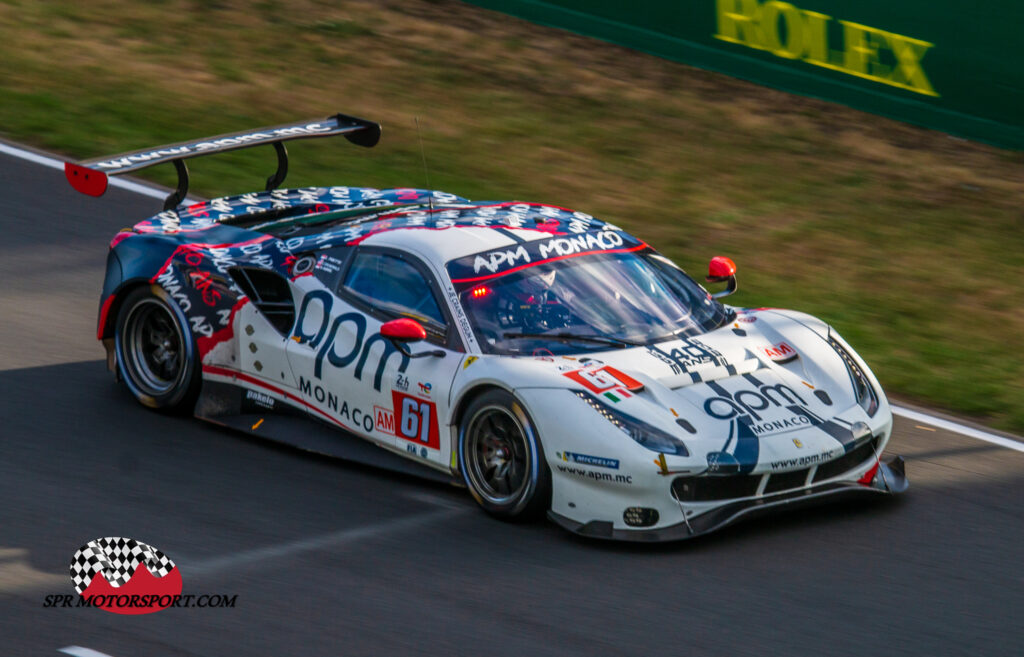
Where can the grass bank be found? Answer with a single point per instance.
(908, 241)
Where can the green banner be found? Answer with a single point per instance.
(941, 64)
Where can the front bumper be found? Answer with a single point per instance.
(889, 479)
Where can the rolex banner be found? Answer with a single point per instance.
(941, 64)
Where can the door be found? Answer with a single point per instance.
(357, 379)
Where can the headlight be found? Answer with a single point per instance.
(650, 437)
(865, 394)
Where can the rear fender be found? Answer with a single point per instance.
(186, 274)
(131, 262)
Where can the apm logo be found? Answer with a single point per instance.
(125, 576)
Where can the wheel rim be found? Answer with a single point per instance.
(498, 455)
(154, 347)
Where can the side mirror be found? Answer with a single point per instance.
(404, 330)
(722, 270)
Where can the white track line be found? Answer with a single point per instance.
(955, 427)
(333, 540)
(54, 163)
(79, 651)
(970, 432)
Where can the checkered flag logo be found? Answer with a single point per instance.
(117, 559)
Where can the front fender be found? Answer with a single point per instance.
(596, 471)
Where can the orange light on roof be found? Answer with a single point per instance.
(480, 291)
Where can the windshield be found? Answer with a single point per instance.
(592, 302)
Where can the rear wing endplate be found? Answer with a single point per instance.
(90, 176)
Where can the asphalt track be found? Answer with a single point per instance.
(329, 558)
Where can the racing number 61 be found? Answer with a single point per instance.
(417, 419)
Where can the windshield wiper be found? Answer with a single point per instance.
(569, 337)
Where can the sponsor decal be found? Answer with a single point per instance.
(340, 407)
(126, 576)
(469, 361)
(461, 318)
(424, 388)
(586, 459)
(606, 381)
(780, 353)
(358, 347)
(686, 354)
(262, 400)
(505, 259)
(820, 40)
(384, 420)
(747, 402)
(781, 425)
(743, 409)
(786, 464)
(496, 260)
(202, 146)
(401, 382)
(328, 264)
(596, 476)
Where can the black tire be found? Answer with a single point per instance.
(501, 458)
(157, 356)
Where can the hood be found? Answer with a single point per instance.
(765, 392)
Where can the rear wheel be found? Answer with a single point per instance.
(501, 457)
(156, 353)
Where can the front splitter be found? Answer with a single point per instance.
(889, 479)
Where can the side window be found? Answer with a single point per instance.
(393, 285)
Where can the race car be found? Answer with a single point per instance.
(547, 360)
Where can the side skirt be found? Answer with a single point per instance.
(229, 406)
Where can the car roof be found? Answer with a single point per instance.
(436, 225)
(447, 232)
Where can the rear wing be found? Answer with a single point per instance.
(90, 176)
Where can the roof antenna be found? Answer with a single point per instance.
(426, 174)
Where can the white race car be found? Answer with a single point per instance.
(549, 361)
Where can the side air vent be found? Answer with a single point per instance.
(270, 294)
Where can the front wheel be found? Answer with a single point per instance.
(501, 458)
(157, 356)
